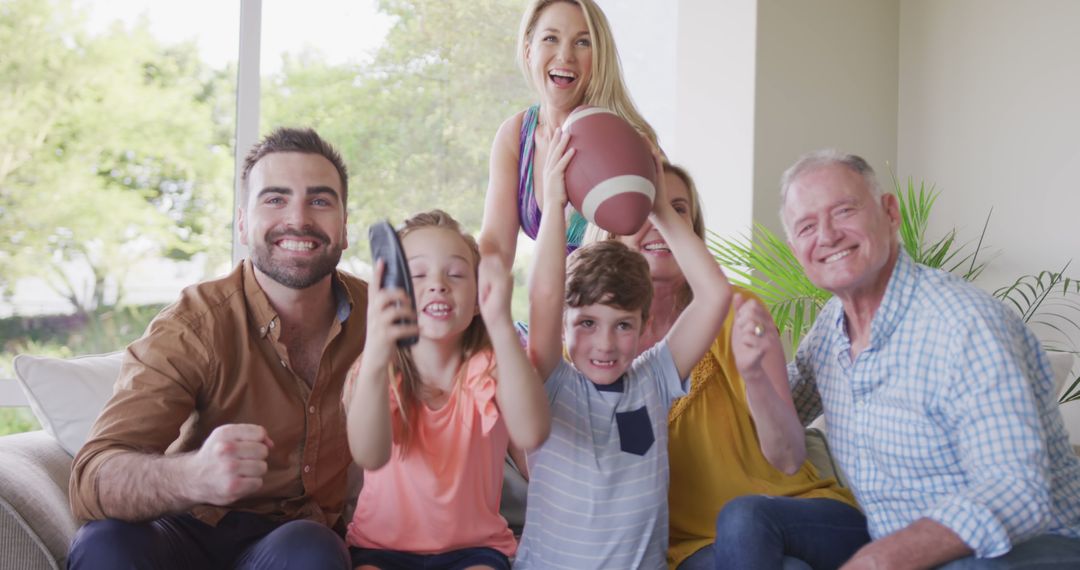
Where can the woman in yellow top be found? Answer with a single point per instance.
(742, 493)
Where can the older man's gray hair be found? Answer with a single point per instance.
(826, 157)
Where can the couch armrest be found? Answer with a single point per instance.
(820, 455)
(36, 526)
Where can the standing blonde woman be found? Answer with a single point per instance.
(567, 52)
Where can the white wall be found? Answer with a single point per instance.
(714, 127)
(826, 78)
(739, 89)
(989, 110)
(980, 97)
(645, 35)
(689, 66)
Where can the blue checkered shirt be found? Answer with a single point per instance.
(948, 414)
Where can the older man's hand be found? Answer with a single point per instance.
(924, 543)
(866, 559)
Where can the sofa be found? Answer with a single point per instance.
(36, 525)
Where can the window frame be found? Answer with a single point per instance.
(248, 93)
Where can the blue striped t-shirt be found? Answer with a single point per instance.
(598, 486)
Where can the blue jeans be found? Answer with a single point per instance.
(240, 540)
(1044, 551)
(759, 531)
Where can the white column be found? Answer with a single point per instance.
(247, 101)
(714, 93)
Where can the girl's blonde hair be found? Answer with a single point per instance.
(606, 88)
(475, 338)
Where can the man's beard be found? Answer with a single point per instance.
(296, 273)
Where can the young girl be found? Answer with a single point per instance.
(567, 53)
(427, 423)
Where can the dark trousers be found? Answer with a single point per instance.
(240, 540)
(758, 531)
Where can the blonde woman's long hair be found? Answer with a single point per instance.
(606, 88)
(475, 338)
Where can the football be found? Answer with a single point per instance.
(612, 177)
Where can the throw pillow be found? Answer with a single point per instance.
(66, 395)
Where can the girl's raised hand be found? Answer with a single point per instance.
(390, 316)
(555, 172)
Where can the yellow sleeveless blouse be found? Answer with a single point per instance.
(715, 455)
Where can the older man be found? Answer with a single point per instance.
(938, 398)
(224, 443)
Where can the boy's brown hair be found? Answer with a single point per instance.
(609, 273)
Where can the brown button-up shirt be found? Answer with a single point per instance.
(215, 357)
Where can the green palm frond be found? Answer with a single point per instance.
(945, 253)
(1049, 300)
(1073, 393)
(1029, 292)
(915, 209)
(768, 268)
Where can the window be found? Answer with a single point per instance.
(411, 93)
(117, 161)
(117, 168)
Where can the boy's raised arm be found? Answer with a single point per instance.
(696, 328)
(547, 276)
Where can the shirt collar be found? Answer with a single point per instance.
(265, 315)
(616, 386)
(342, 297)
(263, 312)
(894, 304)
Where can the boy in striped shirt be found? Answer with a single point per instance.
(598, 486)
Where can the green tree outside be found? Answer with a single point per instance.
(415, 125)
(118, 148)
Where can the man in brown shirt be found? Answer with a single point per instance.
(224, 443)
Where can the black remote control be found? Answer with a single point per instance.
(386, 246)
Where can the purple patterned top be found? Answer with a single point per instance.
(528, 209)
